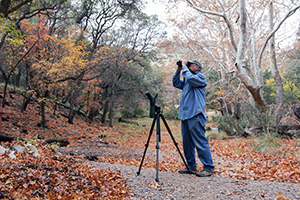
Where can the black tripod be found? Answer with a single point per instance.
(156, 113)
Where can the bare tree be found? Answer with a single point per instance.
(248, 59)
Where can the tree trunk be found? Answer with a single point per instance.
(18, 77)
(237, 110)
(274, 68)
(71, 111)
(110, 115)
(4, 92)
(55, 104)
(242, 64)
(105, 110)
(43, 121)
(43, 105)
(25, 102)
(93, 113)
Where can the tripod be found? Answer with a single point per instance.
(157, 115)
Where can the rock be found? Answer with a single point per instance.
(40, 137)
(35, 151)
(12, 155)
(53, 116)
(215, 130)
(2, 150)
(75, 131)
(63, 125)
(19, 148)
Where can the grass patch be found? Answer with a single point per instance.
(13, 88)
(215, 135)
(268, 143)
(145, 126)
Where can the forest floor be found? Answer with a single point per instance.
(101, 162)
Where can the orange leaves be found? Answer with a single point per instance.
(67, 177)
(68, 59)
(233, 158)
(57, 177)
(244, 163)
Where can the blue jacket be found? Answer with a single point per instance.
(193, 88)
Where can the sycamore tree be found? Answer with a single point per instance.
(233, 36)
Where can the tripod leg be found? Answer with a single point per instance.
(147, 144)
(176, 144)
(157, 145)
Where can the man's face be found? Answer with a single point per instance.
(194, 68)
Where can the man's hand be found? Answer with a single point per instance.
(179, 68)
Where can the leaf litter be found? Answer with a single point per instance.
(68, 175)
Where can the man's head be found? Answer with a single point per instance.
(194, 65)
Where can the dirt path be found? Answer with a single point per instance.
(172, 185)
(176, 186)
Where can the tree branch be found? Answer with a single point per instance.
(219, 15)
(290, 13)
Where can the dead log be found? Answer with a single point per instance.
(297, 112)
(78, 110)
(64, 115)
(4, 137)
(284, 130)
(288, 130)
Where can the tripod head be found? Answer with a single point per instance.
(152, 103)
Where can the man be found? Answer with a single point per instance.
(193, 117)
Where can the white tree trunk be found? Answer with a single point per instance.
(273, 66)
(242, 63)
(248, 65)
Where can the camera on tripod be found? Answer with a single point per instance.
(156, 114)
(152, 103)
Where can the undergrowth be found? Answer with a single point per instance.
(268, 143)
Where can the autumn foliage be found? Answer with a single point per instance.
(70, 176)
(54, 176)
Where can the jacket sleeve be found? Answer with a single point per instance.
(195, 80)
(176, 81)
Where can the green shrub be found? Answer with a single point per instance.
(229, 124)
(133, 112)
(250, 117)
(171, 114)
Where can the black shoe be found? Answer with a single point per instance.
(204, 173)
(186, 171)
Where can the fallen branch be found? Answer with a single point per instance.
(4, 137)
(287, 130)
